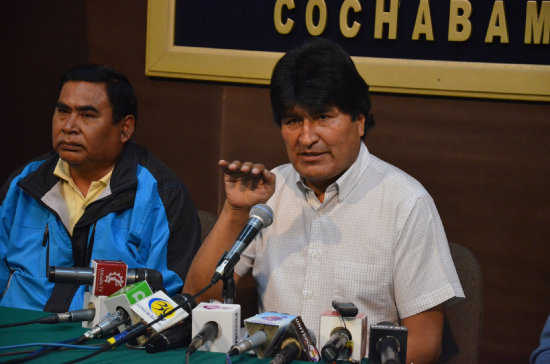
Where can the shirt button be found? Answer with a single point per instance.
(307, 294)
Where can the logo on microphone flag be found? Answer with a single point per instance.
(109, 277)
(157, 304)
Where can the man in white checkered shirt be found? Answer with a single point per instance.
(347, 226)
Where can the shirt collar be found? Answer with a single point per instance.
(347, 181)
(63, 171)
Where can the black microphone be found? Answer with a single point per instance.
(85, 275)
(297, 343)
(290, 349)
(336, 347)
(387, 343)
(261, 216)
(175, 336)
(208, 333)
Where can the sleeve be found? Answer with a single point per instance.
(6, 221)
(542, 353)
(184, 232)
(424, 273)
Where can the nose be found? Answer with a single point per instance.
(308, 133)
(71, 123)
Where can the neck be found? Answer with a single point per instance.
(83, 179)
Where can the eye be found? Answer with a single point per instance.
(290, 121)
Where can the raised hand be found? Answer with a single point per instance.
(246, 184)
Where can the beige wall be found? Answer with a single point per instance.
(485, 162)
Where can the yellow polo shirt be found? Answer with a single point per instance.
(75, 200)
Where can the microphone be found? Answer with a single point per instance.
(208, 333)
(387, 343)
(226, 316)
(298, 343)
(118, 306)
(158, 311)
(343, 333)
(261, 216)
(272, 324)
(109, 323)
(69, 316)
(337, 346)
(253, 341)
(86, 276)
(290, 349)
(178, 335)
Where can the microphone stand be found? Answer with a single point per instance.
(228, 290)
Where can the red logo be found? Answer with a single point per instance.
(110, 276)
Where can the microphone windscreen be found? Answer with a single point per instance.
(262, 212)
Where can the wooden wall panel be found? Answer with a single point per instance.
(35, 50)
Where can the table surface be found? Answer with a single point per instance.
(35, 333)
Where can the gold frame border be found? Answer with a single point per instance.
(464, 79)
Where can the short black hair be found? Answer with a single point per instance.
(119, 90)
(318, 75)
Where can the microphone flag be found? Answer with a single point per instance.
(155, 305)
(274, 324)
(109, 276)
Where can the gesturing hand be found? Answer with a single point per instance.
(246, 184)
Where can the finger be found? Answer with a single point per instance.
(257, 169)
(246, 167)
(268, 176)
(229, 167)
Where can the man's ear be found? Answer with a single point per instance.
(127, 128)
(360, 120)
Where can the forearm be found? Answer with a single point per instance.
(424, 337)
(220, 240)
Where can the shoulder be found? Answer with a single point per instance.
(164, 177)
(391, 178)
(45, 161)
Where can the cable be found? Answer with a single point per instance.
(43, 320)
(46, 350)
(70, 316)
(228, 359)
(85, 347)
(44, 347)
(21, 352)
(204, 289)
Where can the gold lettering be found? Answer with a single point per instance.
(497, 24)
(537, 25)
(423, 23)
(280, 26)
(319, 28)
(345, 29)
(386, 17)
(460, 27)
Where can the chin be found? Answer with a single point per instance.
(71, 159)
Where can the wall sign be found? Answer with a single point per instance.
(483, 48)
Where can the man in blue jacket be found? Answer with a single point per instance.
(97, 195)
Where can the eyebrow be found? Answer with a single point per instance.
(62, 105)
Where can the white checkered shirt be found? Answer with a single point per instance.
(376, 240)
